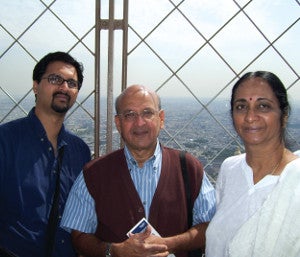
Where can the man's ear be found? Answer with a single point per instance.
(34, 87)
(162, 118)
(118, 123)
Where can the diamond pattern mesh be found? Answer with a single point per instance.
(190, 51)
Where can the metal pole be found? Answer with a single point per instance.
(124, 50)
(110, 72)
(97, 79)
(110, 24)
(125, 44)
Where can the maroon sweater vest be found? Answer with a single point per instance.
(118, 205)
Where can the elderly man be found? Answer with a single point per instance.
(142, 180)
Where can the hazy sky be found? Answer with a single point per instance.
(202, 58)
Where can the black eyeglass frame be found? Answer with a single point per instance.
(57, 80)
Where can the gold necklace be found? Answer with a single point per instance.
(277, 165)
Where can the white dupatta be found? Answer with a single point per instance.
(274, 230)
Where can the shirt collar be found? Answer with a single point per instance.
(40, 132)
(156, 158)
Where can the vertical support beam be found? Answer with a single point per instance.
(124, 50)
(97, 79)
(125, 44)
(110, 73)
(111, 25)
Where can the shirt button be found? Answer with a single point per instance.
(50, 149)
(42, 139)
(62, 241)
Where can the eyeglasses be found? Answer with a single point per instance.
(146, 114)
(58, 80)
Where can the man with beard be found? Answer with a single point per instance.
(39, 161)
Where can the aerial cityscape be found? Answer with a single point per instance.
(206, 132)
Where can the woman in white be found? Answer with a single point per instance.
(258, 192)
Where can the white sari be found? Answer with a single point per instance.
(271, 206)
(274, 229)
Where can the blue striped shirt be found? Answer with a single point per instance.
(80, 212)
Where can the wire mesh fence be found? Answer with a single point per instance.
(191, 52)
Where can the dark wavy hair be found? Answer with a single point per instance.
(276, 85)
(40, 68)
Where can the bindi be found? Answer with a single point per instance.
(250, 98)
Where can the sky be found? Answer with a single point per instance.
(179, 52)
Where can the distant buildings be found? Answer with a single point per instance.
(210, 139)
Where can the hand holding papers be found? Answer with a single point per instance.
(141, 227)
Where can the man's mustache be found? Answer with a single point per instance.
(61, 93)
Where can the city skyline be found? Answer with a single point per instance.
(186, 129)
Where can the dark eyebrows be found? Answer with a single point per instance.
(265, 99)
(243, 100)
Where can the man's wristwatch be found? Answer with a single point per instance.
(107, 250)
